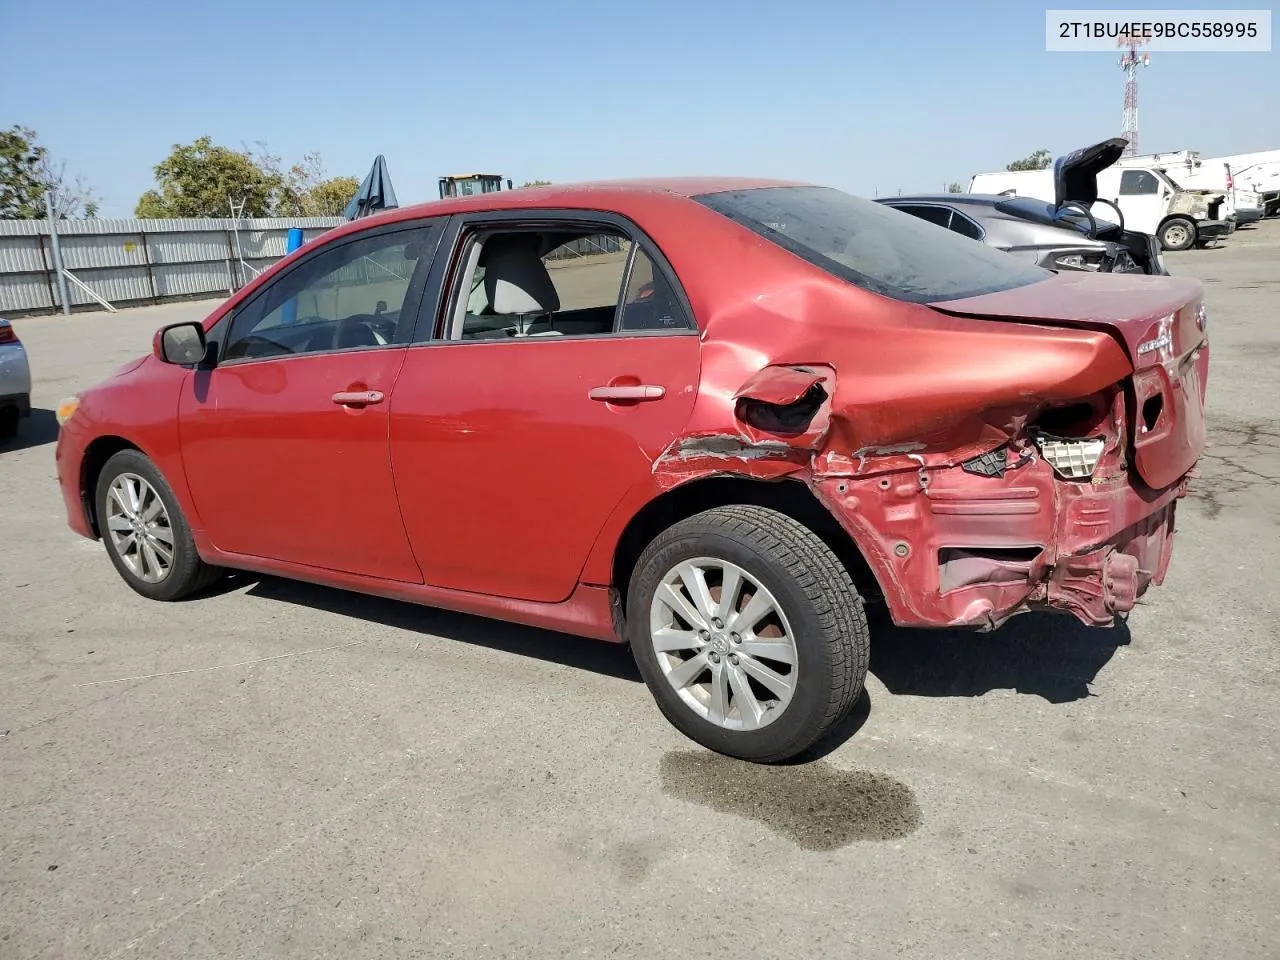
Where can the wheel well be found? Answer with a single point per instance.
(96, 456)
(790, 497)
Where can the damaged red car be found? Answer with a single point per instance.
(709, 418)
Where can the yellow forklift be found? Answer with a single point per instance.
(470, 184)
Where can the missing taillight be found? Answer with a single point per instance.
(1151, 411)
(1073, 437)
(1072, 420)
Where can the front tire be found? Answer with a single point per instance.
(145, 533)
(1178, 233)
(748, 631)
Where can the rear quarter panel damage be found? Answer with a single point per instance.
(892, 398)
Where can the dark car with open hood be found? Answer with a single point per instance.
(709, 418)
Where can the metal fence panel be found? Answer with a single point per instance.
(20, 255)
(191, 279)
(195, 247)
(84, 252)
(116, 285)
(24, 291)
(141, 260)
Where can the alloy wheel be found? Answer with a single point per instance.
(723, 643)
(139, 527)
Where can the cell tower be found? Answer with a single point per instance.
(1129, 62)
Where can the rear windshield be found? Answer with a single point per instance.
(874, 246)
(1037, 211)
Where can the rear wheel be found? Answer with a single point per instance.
(8, 422)
(1178, 233)
(146, 535)
(748, 632)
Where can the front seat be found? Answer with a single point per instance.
(516, 281)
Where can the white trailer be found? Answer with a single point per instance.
(1259, 172)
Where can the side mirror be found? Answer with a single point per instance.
(181, 343)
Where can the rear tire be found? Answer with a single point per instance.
(811, 605)
(8, 423)
(1178, 233)
(145, 533)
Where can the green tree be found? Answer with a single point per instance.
(535, 183)
(306, 190)
(28, 174)
(21, 189)
(329, 198)
(1037, 161)
(200, 178)
(955, 187)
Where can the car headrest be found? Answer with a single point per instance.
(515, 278)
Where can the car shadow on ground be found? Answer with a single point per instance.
(33, 431)
(1052, 656)
(1047, 655)
(608, 659)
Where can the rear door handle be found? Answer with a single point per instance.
(634, 393)
(351, 398)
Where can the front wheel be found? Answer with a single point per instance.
(146, 535)
(1178, 233)
(748, 631)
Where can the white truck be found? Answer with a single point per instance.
(1147, 199)
(1189, 172)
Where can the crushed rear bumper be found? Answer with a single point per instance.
(973, 551)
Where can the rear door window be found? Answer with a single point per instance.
(565, 281)
(939, 215)
(965, 227)
(872, 246)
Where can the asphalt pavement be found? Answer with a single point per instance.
(281, 770)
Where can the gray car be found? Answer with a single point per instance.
(1065, 239)
(1064, 235)
(15, 380)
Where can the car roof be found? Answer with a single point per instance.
(616, 196)
(971, 198)
(594, 190)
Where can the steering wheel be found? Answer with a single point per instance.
(1093, 224)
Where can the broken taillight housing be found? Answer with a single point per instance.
(1072, 438)
(1071, 457)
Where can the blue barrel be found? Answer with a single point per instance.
(291, 244)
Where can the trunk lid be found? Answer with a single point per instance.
(1160, 321)
(1075, 175)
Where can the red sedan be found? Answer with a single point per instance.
(703, 417)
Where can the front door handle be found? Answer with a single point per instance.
(634, 393)
(357, 398)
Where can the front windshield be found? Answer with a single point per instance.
(872, 245)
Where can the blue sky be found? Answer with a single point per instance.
(862, 96)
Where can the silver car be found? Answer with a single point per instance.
(15, 380)
(1064, 235)
(1066, 239)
